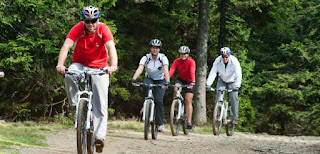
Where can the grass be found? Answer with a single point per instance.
(14, 135)
(139, 127)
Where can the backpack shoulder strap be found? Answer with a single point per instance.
(148, 59)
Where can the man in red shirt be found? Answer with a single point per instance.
(94, 47)
(186, 76)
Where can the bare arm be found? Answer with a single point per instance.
(138, 72)
(113, 56)
(166, 73)
(68, 43)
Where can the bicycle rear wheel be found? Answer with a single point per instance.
(81, 127)
(154, 130)
(217, 123)
(147, 120)
(229, 126)
(184, 125)
(174, 122)
(90, 138)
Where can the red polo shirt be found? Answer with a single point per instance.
(89, 48)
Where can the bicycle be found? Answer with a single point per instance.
(177, 113)
(222, 113)
(84, 109)
(148, 115)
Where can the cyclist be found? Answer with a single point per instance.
(230, 76)
(186, 76)
(156, 65)
(94, 48)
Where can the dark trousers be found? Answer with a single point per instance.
(158, 94)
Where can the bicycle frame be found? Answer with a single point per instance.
(149, 98)
(180, 98)
(86, 93)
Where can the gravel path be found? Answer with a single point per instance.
(131, 142)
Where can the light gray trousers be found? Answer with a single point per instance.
(99, 84)
(233, 96)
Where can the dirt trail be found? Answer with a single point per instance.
(130, 142)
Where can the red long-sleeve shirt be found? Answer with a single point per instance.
(186, 69)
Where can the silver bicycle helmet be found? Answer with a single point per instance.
(155, 42)
(90, 12)
(184, 49)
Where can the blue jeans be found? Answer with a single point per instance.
(158, 94)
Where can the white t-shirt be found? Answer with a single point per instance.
(154, 68)
(229, 74)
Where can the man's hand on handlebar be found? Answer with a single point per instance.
(61, 69)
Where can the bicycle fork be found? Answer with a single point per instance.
(180, 110)
(89, 106)
(151, 111)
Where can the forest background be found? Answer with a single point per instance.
(276, 41)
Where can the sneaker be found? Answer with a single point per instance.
(189, 125)
(161, 128)
(99, 143)
(234, 121)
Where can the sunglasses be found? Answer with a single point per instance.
(225, 57)
(90, 21)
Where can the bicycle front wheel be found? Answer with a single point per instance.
(147, 120)
(216, 122)
(174, 121)
(81, 127)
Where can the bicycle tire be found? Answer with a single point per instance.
(229, 126)
(154, 130)
(90, 137)
(147, 120)
(154, 127)
(216, 125)
(174, 122)
(81, 128)
(184, 125)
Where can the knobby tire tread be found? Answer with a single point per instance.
(81, 134)
(147, 121)
(174, 124)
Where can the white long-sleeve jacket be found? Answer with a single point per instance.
(229, 74)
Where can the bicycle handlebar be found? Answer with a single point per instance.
(180, 86)
(149, 85)
(100, 71)
(222, 90)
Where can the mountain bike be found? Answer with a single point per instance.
(1, 74)
(84, 108)
(177, 113)
(222, 114)
(148, 115)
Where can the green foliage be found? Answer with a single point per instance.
(276, 42)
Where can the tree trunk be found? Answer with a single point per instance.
(200, 111)
(223, 31)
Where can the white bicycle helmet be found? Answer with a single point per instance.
(155, 42)
(184, 49)
(225, 51)
(90, 12)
